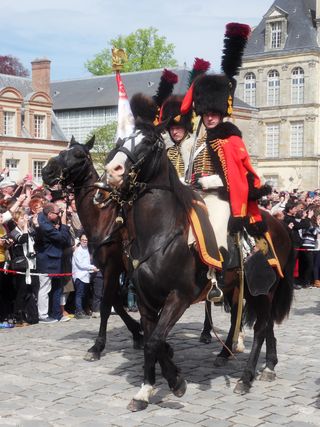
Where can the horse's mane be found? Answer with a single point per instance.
(183, 193)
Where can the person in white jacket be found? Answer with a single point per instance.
(81, 269)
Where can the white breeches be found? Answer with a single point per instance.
(219, 214)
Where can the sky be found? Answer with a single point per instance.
(70, 32)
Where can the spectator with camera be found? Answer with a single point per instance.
(23, 260)
(52, 237)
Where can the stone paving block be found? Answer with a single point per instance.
(216, 423)
(245, 420)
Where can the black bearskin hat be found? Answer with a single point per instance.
(171, 111)
(143, 107)
(214, 93)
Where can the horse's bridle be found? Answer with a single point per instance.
(65, 174)
(136, 188)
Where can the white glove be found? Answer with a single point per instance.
(210, 182)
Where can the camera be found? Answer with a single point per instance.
(6, 239)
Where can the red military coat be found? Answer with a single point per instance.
(236, 165)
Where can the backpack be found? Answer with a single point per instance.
(30, 312)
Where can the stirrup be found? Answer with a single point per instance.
(215, 294)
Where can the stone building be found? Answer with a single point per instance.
(29, 131)
(280, 76)
(82, 105)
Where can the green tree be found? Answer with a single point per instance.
(145, 49)
(104, 142)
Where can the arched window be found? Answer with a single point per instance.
(273, 95)
(250, 89)
(297, 86)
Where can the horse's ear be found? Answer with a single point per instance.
(72, 140)
(90, 143)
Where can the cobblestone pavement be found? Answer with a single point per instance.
(45, 382)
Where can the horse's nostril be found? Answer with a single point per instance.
(118, 168)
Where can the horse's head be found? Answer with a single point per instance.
(70, 165)
(135, 157)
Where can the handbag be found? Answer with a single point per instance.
(19, 263)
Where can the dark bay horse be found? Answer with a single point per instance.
(168, 275)
(74, 166)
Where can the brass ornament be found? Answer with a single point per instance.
(119, 57)
(119, 220)
(135, 263)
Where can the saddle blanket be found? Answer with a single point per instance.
(204, 236)
(265, 245)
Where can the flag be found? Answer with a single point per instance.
(125, 116)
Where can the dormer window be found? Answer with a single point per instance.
(40, 126)
(276, 34)
(276, 29)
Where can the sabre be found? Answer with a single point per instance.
(193, 150)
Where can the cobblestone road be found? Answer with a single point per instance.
(46, 383)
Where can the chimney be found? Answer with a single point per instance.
(318, 20)
(41, 75)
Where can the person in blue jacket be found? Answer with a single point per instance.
(52, 236)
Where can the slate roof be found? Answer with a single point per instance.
(24, 86)
(101, 91)
(302, 33)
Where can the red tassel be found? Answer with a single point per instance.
(234, 29)
(169, 76)
(201, 65)
(187, 101)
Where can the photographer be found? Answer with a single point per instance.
(23, 260)
(52, 236)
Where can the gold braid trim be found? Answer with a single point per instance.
(203, 163)
(176, 159)
(216, 145)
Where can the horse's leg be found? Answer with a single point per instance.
(268, 373)
(133, 326)
(260, 328)
(222, 358)
(205, 336)
(156, 348)
(141, 400)
(111, 284)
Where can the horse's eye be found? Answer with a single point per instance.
(79, 154)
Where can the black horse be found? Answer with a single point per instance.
(168, 275)
(74, 166)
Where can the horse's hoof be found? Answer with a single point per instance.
(91, 357)
(137, 405)
(180, 388)
(267, 375)
(241, 388)
(220, 361)
(205, 338)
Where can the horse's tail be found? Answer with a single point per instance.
(283, 297)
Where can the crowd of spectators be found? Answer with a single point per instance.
(46, 271)
(300, 211)
(41, 240)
